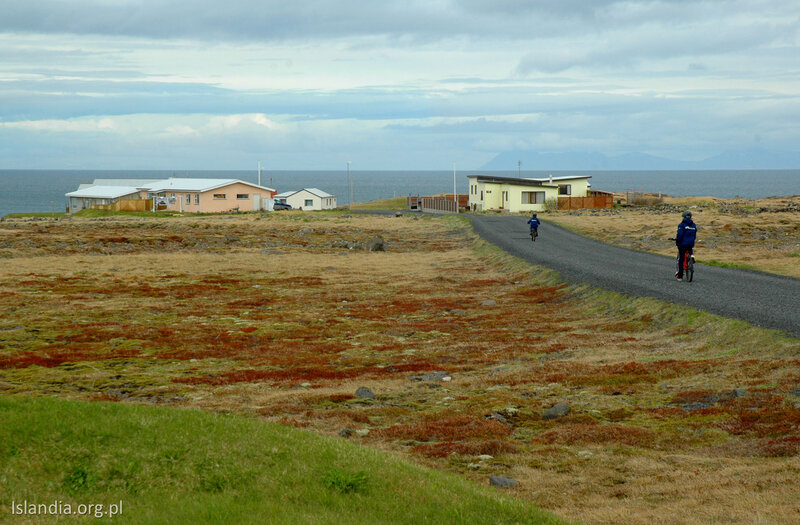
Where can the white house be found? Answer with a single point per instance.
(307, 199)
(88, 195)
(487, 192)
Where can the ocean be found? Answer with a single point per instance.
(23, 191)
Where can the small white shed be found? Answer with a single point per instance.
(308, 199)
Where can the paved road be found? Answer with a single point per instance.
(764, 300)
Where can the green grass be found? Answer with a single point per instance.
(397, 203)
(169, 465)
(33, 214)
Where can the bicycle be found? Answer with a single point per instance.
(688, 265)
(534, 234)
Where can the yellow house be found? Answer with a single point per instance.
(487, 192)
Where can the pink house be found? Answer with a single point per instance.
(208, 195)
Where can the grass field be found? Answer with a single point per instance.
(675, 415)
(168, 465)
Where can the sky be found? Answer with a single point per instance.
(419, 84)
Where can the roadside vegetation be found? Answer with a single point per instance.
(759, 234)
(441, 348)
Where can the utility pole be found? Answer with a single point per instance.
(455, 196)
(259, 173)
(519, 169)
(350, 179)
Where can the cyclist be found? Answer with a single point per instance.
(684, 240)
(534, 223)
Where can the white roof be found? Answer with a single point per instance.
(137, 183)
(103, 192)
(195, 185)
(314, 191)
(548, 179)
(319, 193)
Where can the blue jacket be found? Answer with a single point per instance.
(534, 222)
(687, 233)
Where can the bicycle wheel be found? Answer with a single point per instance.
(534, 235)
(689, 268)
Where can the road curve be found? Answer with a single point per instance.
(766, 300)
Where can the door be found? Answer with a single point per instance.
(256, 202)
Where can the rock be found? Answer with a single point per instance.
(432, 376)
(398, 214)
(556, 411)
(796, 391)
(485, 457)
(489, 302)
(739, 392)
(376, 245)
(502, 482)
(497, 417)
(346, 432)
(362, 432)
(365, 393)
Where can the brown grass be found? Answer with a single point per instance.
(735, 231)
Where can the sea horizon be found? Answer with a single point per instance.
(42, 190)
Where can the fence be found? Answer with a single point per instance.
(598, 200)
(640, 197)
(437, 205)
(126, 205)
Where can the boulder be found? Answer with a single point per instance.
(502, 481)
(376, 244)
(432, 376)
(365, 393)
(556, 411)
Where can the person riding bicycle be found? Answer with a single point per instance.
(684, 240)
(534, 223)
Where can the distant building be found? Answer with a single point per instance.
(209, 195)
(174, 194)
(488, 192)
(89, 195)
(308, 199)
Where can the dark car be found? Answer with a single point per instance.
(281, 206)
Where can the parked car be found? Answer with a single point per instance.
(281, 206)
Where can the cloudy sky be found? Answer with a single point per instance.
(418, 84)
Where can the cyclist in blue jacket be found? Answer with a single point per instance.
(684, 240)
(534, 223)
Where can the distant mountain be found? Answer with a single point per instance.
(733, 159)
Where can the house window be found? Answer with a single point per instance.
(309, 202)
(220, 197)
(242, 196)
(188, 198)
(565, 189)
(532, 197)
(197, 198)
(481, 194)
(505, 196)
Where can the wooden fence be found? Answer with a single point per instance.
(437, 205)
(603, 200)
(126, 205)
